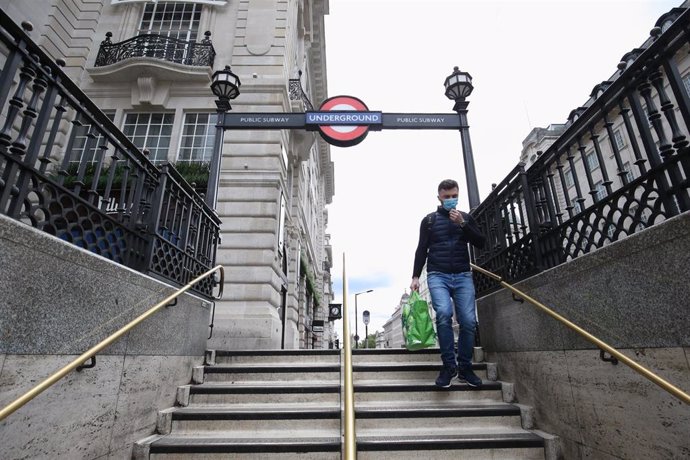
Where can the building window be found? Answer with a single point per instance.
(171, 19)
(281, 224)
(686, 83)
(600, 191)
(628, 173)
(646, 115)
(198, 136)
(592, 161)
(611, 231)
(150, 131)
(618, 139)
(578, 206)
(568, 175)
(643, 217)
(81, 140)
(284, 156)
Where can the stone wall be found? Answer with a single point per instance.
(58, 301)
(634, 295)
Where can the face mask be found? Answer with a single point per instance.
(450, 203)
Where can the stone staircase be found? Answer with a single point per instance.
(287, 404)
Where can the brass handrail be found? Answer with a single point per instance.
(47, 383)
(350, 447)
(675, 391)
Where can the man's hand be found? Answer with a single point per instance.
(414, 286)
(456, 216)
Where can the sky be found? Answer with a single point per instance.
(531, 62)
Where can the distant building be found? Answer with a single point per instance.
(392, 329)
(537, 141)
(380, 339)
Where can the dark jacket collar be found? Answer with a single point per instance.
(442, 210)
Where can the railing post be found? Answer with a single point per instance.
(531, 210)
(650, 147)
(155, 215)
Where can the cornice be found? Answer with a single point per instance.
(317, 51)
(318, 77)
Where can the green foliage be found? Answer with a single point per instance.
(308, 272)
(369, 341)
(73, 171)
(194, 173)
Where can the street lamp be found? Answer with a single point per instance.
(357, 335)
(458, 87)
(225, 86)
(365, 318)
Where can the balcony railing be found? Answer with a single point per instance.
(157, 47)
(115, 203)
(566, 204)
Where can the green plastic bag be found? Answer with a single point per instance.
(418, 328)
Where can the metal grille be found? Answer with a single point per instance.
(157, 47)
(590, 188)
(113, 201)
(83, 138)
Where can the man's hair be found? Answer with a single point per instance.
(447, 185)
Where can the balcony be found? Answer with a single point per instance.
(156, 55)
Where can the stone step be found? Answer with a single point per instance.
(259, 422)
(434, 418)
(329, 372)
(267, 421)
(257, 392)
(517, 445)
(200, 448)
(405, 391)
(267, 372)
(273, 356)
(397, 355)
(359, 356)
(413, 370)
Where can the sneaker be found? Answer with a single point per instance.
(446, 376)
(467, 375)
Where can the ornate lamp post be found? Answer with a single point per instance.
(356, 320)
(225, 86)
(458, 87)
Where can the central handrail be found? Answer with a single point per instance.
(675, 391)
(90, 353)
(350, 447)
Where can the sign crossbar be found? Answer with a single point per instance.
(312, 120)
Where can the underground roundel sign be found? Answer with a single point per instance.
(343, 120)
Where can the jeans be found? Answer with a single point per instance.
(459, 287)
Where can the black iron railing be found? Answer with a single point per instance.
(113, 201)
(582, 194)
(157, 47)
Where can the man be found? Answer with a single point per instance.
(443, 239)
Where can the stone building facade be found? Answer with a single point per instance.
(537, 141)
(274, 185)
